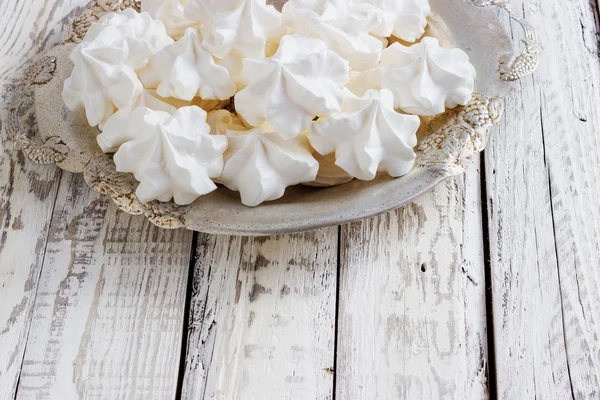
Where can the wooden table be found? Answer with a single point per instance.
(486, 287)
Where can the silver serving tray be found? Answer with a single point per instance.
(445, 146)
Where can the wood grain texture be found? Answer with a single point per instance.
(543, 189)
(262, 318)
(92, 300)
(412, 300)
(108, 316)
(27, 192)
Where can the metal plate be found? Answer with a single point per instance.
(445, 146)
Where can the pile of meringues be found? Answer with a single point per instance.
(319, 95)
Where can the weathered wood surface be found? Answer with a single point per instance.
(411, 319)
(92, 301)
(109, 310)
(27, 192)
(543, 174)
(262, 318)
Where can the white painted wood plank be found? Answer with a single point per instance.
(262, 318)
(27, 192)
(527, 317)
(412, 300)
(108, 317)
(543, 190)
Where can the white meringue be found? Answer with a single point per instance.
(368, 136)
(343, 25)
(362, 82)
(244, 27)
(260, 164)
(329, 173)
(172, 156)
(105, 63)
(405, 19)
(114, 133)
(185, 69)
(172, 14)
(302, 80)
(425, 78)
(234, 63)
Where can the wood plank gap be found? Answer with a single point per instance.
(212, 344)
(337, 311)
(38, 281)
(595, 4)
(489, 298)
(562, 308)
(186, 316)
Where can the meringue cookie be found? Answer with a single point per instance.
(344, 26)
(142, 36)
(172, 156)
(234, 63)
(105, 63)
(368, 136)
(185, 69)
(260, 164)
(405, 19)
(172, 14)
(242, 26)
(302, 80)
(114, 133)
(425, 78)
(329, 174)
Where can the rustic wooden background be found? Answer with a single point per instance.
(486, 287)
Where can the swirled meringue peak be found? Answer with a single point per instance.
(343, 25)
(368, 136)
(425, 78)
(172, 156)
(245, 27)
(302, 80)
(260, 164)
(105, 63)
(185, 69)
(114, 134)
(405, 19)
